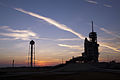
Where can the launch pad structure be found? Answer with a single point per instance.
(90, 54)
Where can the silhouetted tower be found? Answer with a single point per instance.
(32, 43)
(91, 53)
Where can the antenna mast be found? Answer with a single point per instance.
(92, 27)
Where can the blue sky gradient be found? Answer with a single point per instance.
(52, 43)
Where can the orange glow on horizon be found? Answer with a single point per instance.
(45, 63)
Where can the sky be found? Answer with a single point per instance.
(58, 28)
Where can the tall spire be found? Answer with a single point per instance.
(92, 27)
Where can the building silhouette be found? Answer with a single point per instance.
(90, 54)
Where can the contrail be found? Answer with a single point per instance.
(60, 26)
(104, 45)
(91, 1)
(51, 21)
(70, 46)
(57, 24)
(109, 32)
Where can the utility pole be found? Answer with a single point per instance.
(13, 63)
(62, 60)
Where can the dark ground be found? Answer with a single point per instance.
(74, 76)
(66, 72)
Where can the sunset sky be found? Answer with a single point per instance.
(58, 28)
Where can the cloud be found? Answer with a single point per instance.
(106, 39)
(58, 25)
(105, 30)
(4, 27)
(17, 34)
(7, 39)
(94, 2)
(106, 5)
(104, 45)
(51, 21)
(69, 39)
(71, 46)
(91, 1)
(78, 47)
(109, 32)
